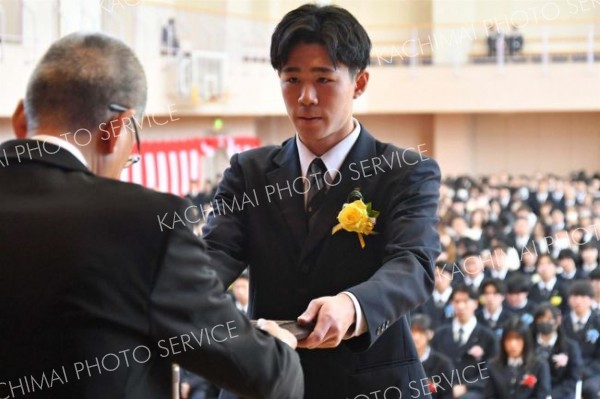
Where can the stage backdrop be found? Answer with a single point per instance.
(169, 165)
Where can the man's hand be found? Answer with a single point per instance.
(272, 328)
(185, 390)
(333, 316)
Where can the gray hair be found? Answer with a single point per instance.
(80, 75)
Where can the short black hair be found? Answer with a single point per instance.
(498, 284)
(465, 289)
(343, 36)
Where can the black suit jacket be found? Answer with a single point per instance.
(471, 370)
(89, 281)
(503, 385)
(291, 264)
(439, 315)
(564, 378)
(558, 296)
(505, 315)
(588, 339)
(439, 369)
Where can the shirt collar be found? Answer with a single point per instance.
(550, 343)
(425, 354)
(65, 145)
(333, 158)
(444, 296)
(494, 316)
(515, 361)
(468, 327)
(584, 319)
(549, 285)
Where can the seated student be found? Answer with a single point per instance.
(567, 263)
(517, 291)
(499, 261)
(589, 258)
(583, 326)
(528, 260)
(467, 343)
(549, 288)
(492, 314)
(472, 269)
(438, 367)
(561, 353)
(438, 307)
(517, 373)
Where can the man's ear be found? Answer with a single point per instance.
(19, 121)
(360, 82)
(111, 130)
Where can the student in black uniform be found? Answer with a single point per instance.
(583, 326)
(517, 298)
(467, 343)
(438, 307)
(561, 353)
(549, 288)
(438, 367)
(492, 314)
(517, 373)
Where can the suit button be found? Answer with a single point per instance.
(378, 330)
(387, 323)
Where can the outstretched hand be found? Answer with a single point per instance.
(334, 316)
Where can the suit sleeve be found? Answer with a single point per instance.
(225, 231)
(566, 387)
(188, 303)
(405, 279)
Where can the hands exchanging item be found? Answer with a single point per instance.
(332, 316)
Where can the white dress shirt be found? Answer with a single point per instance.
(65, 145)
(333, 160)
(583, 319)
(549, 285)
(442, 296)
(467, 328)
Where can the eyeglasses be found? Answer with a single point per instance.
(133, 158)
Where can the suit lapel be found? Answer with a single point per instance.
(287, 173)
(326, 216)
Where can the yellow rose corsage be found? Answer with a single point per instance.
(357, 217)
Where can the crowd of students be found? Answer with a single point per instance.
(515, 308)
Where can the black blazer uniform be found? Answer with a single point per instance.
(563, 378)
(293, 261)
(525, 382)
(472, 370)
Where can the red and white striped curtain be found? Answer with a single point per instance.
(169, 165)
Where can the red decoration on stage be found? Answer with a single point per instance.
(169, 165)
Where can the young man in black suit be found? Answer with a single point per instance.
(517, 298)
(467, 343)
(438, 307)
(438, 367)
(549, 288)
(356, 287)
(95, 300)
(491, 313)
(583, 326)
(567, 262)
(560, 352)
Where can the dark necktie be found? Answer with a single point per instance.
(461, 333)
(318, 188)
(579, 326)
